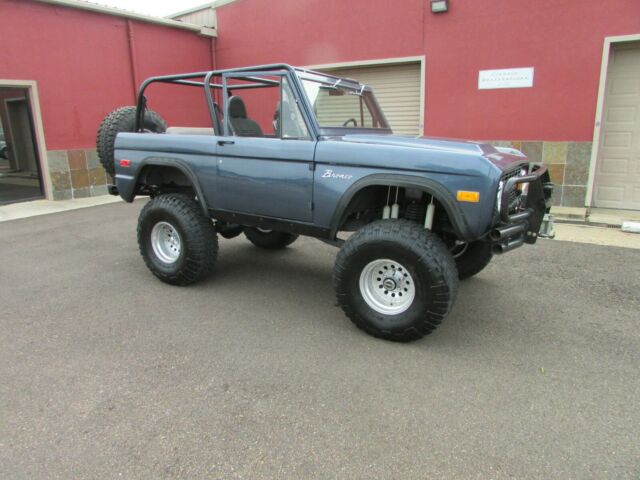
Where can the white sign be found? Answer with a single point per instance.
(505, 78)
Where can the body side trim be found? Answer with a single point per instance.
(278, 224)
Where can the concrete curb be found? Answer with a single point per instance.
(17, 211)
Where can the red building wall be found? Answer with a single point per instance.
(82, 65)
(562, 39)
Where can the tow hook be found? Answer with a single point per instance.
(547, 229)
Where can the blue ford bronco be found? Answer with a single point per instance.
(292, 152)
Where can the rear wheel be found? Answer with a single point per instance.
(269, 239)
(122, 120)
(177, 241)
(395, 280)
(229, 230)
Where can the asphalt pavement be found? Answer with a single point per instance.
(105, 372)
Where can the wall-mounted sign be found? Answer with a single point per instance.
(505, 78)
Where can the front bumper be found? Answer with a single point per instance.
(521, 216)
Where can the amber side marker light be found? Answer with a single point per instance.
(464, 196)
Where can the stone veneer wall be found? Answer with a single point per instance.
(76, 174)
(568, 164)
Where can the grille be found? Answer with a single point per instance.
(514, 195)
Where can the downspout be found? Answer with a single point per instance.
(133, 63)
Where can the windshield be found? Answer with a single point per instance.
(340, 104)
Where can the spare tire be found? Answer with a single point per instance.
(122, 120)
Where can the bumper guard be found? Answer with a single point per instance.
(522, 224)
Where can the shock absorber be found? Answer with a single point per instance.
(386, 211)
(395, 208)
(428, 218)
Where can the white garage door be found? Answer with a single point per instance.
(397, 88)
(618, 168)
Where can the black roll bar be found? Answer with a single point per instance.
(203, 80)
(187, 79)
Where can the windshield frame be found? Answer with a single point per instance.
(348, 84)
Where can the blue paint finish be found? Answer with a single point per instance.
(279, 178)
(463, 166)
(266, 176)
(193, 153)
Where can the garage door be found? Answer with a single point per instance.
(618, 168)
(397, 88)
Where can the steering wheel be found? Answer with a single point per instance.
(355, 122)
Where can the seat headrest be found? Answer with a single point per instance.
(278, 111)
(237, 108)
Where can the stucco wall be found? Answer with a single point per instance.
(82, 65)
(562, 39)
(81, 62)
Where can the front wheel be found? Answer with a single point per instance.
(395, 280)
(177, 241)
(269, 239)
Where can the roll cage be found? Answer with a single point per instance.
(256, 76)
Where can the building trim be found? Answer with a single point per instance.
(383, 62)
(215, 4)
(36, 114)
(117, 12)
(597, 133)
(199, 8)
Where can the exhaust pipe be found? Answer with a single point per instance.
(504, 233)
(499, 248)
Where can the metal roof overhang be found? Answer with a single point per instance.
(94, 7)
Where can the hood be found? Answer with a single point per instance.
(430, 143)
(501, 157)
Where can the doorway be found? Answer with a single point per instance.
(617, 173)
(20, 175)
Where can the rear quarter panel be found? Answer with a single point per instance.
(197, 153)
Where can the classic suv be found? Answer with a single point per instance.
(293, 152)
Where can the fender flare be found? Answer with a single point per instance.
(178, 164)
(440, 193)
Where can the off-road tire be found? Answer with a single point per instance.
(122, 120)
(228, 231)
(199, 242)
(474, 259)
(270, 240)
(424, 256)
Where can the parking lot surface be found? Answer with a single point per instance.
(105, 372)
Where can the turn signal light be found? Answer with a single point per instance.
(125, 163)
(464, 196)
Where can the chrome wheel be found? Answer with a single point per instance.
(387, 287)
(166, 243)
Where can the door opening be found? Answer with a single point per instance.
(20, 175)
(617, 170)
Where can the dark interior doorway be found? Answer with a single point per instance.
(20, 176)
